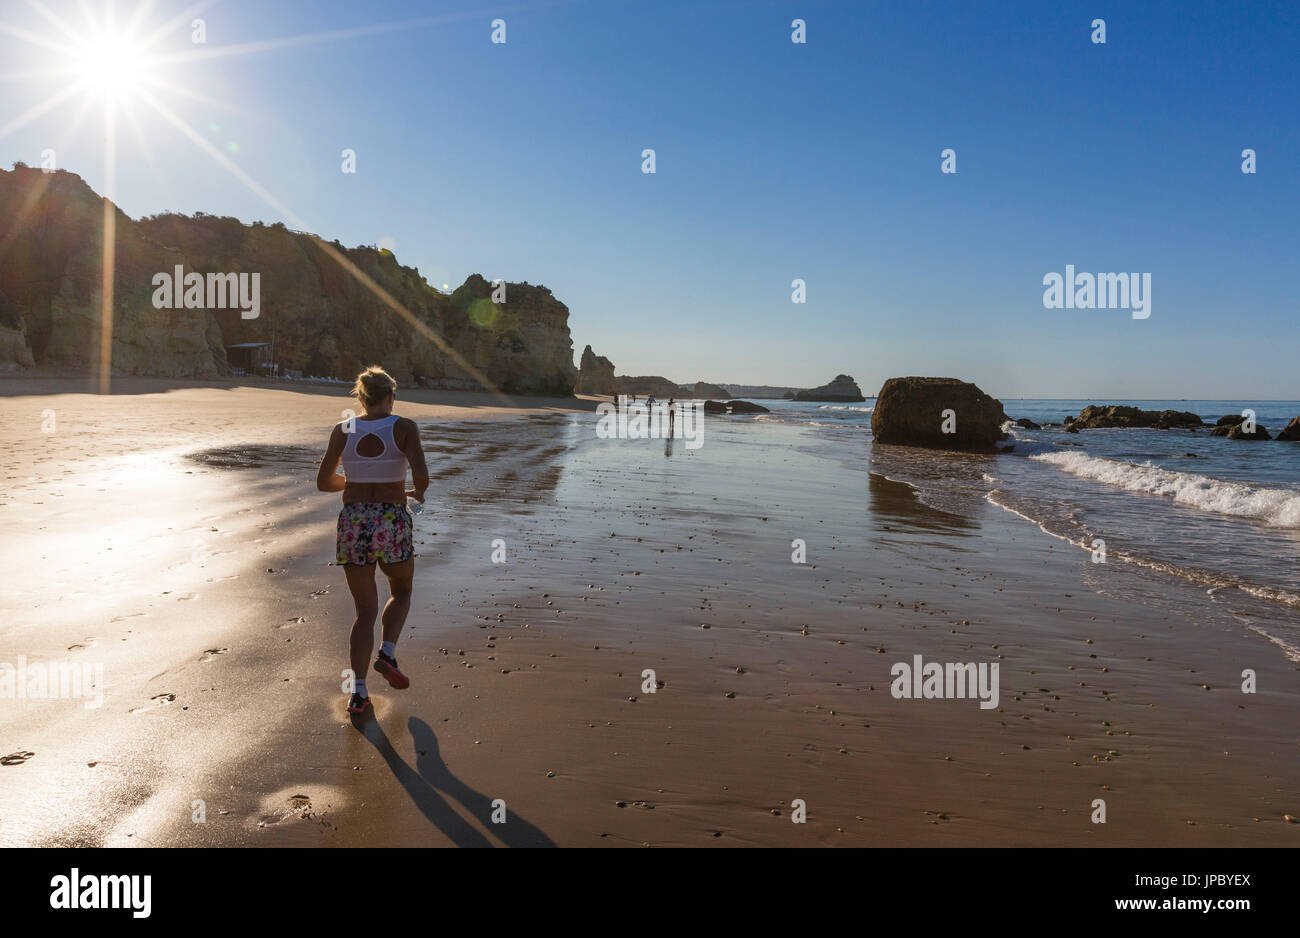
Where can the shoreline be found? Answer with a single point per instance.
(618, 555)
(45, 385)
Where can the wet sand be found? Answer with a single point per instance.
(176, 538)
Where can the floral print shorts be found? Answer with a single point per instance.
(373, 531)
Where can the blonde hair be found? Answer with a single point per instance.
(373, 385)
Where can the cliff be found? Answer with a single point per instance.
(325, 321)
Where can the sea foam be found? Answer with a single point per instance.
(1278, 507)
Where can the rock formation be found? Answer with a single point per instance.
(911, 411)
(756, 392)
(704, 390)
(842, 390)
(657, 385)
(325, 321)
(734, 407)
(595, 374)
(15, 355)
(1094, 416)
(1026, 424)
(1291, 431)
(1233, 427)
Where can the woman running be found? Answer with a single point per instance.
(374, 525)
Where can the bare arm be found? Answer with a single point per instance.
(328, 479)
(415, 456)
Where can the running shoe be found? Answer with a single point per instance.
(387, 666)
(358, 704)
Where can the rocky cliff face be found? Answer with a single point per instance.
(325, 321)
(842, 390)
(51, 279)
(595, 374)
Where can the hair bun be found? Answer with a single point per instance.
(373, 385)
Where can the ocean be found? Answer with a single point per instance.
(1173, 508)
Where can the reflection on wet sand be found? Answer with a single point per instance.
(497, 465)
(471, 463)
(896, 503)
(256, 456)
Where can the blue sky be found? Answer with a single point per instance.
(775, 161)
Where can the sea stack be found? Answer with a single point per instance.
(843, 390)
(941, 413)
(595, 374)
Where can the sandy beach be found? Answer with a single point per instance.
(171, 534)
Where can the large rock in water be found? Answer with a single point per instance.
(595, 374)
(1121, 415)
(910, 411)
(1233, 427)
(1291, 431)
(843, 390)
(327, 322)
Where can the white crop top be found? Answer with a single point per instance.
(388, 466)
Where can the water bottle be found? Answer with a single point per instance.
(413, 506)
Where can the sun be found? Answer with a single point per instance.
(110, 65)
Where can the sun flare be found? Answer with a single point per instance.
(110, 65)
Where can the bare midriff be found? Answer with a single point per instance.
(388, 493)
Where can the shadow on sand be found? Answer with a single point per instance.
(431, 779)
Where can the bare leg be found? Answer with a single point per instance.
(399, 602)
(361, 581)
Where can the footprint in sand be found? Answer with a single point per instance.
(16, 758)
(161, 700)
(210, 653)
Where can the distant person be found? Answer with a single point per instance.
(672, 414)
(374, 525)
(650, 401)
